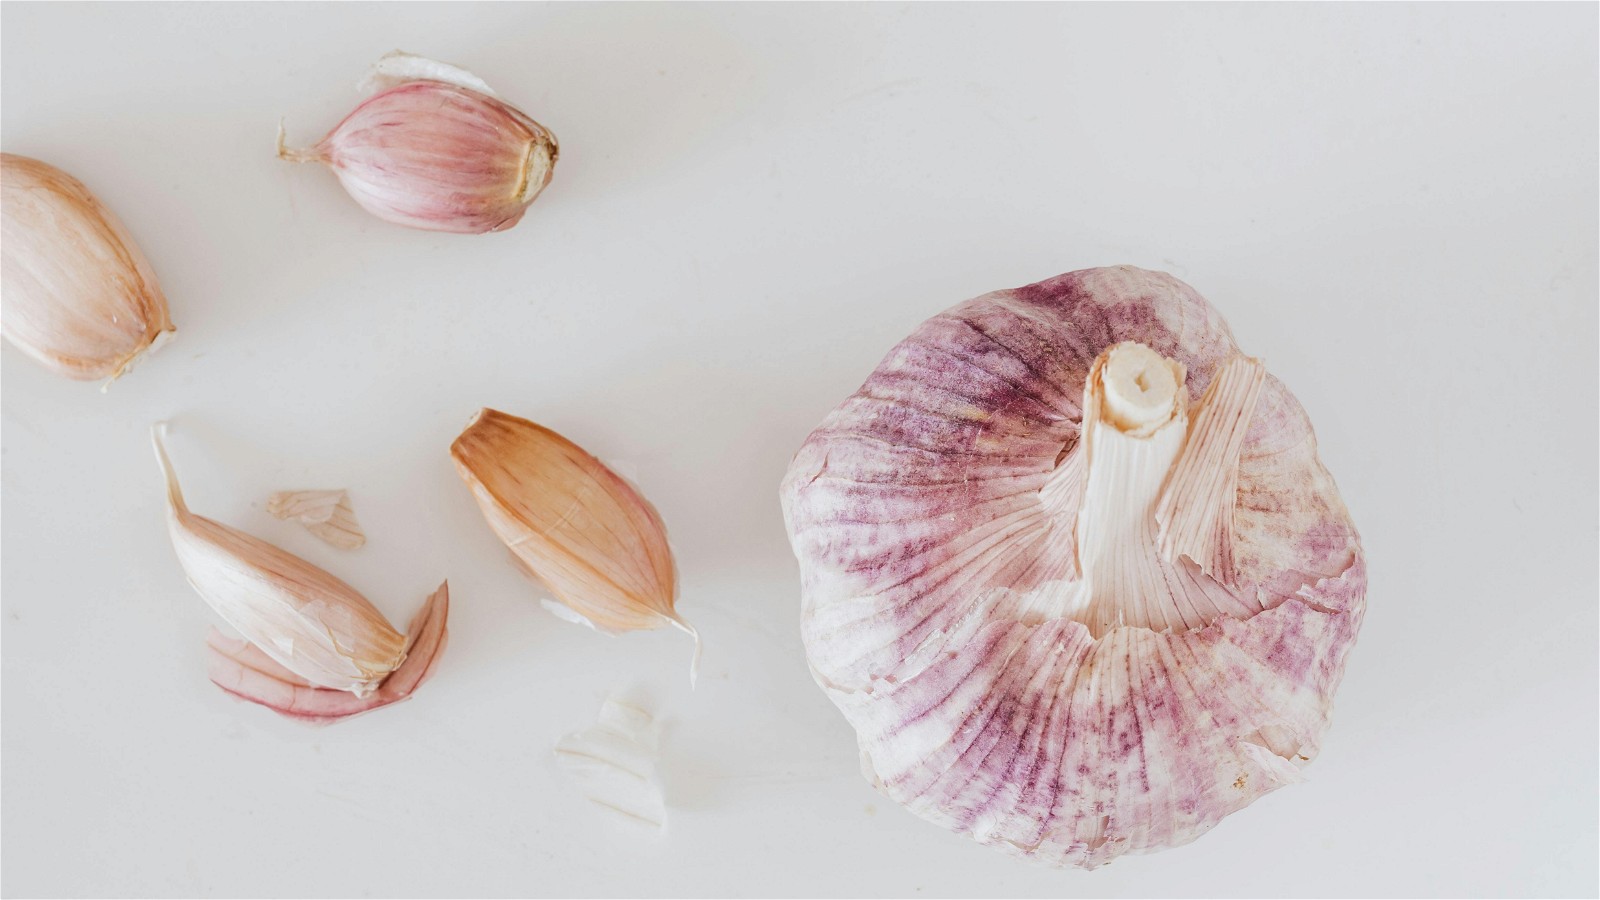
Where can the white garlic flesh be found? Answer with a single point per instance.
(1071, 610)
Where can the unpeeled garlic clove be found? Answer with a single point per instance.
(78, 295)
(435, 149)
(303, 618)
(243, 670)
(571, 522)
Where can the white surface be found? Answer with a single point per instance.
(1393, 205)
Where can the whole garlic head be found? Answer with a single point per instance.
(78, 295)
(1070, 610)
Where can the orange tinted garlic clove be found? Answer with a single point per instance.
(572, 523)
(79, 296)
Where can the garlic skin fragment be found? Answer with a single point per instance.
(78, 294)
(246, 672)
(303, 618)
(571, 523)
(1070, 611)
(614, 762)
(326, 514)
(435, 149)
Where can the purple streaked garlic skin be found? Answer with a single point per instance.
(438, 156)
(936, 516)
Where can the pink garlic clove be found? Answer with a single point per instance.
(437, 152)
(241, 669)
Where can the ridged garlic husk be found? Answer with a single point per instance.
(571, 523)
(318, 631)
(1072, 611)
(78, 294)
(435, 149)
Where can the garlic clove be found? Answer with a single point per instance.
(78, 295)
(580, 529)
(614, 763)
(242, 669)
(326, 514)
(304, 618)
(433, 149)
(1070, 614)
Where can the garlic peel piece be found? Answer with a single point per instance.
(304, 618)
(1047, 632)
(78, 295)
(245, 671)
(398, 67)
(326, 514)
(614, 763)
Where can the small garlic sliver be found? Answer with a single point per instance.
(326, 514)
(614, 763)
(304, 618)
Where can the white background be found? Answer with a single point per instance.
(1395, 206)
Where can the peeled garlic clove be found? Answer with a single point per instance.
(326, 514)
(435, 149)
(78, 295)
(243, 670)
(305, 619)
(1071, 611)
(575, 525)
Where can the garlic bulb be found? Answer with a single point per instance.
(571, 523)
(78, 295)
(1069, 612)
(319, 630)
(435, 149)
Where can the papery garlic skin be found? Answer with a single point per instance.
(571, 522)
(304, 618)
(244, 671)
(437, 155)
(1065, 625)
(78, 294)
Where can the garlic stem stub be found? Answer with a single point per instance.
(317, 632)
(571, 523)
(433, 148)
(1071, 611)
(78, 294)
